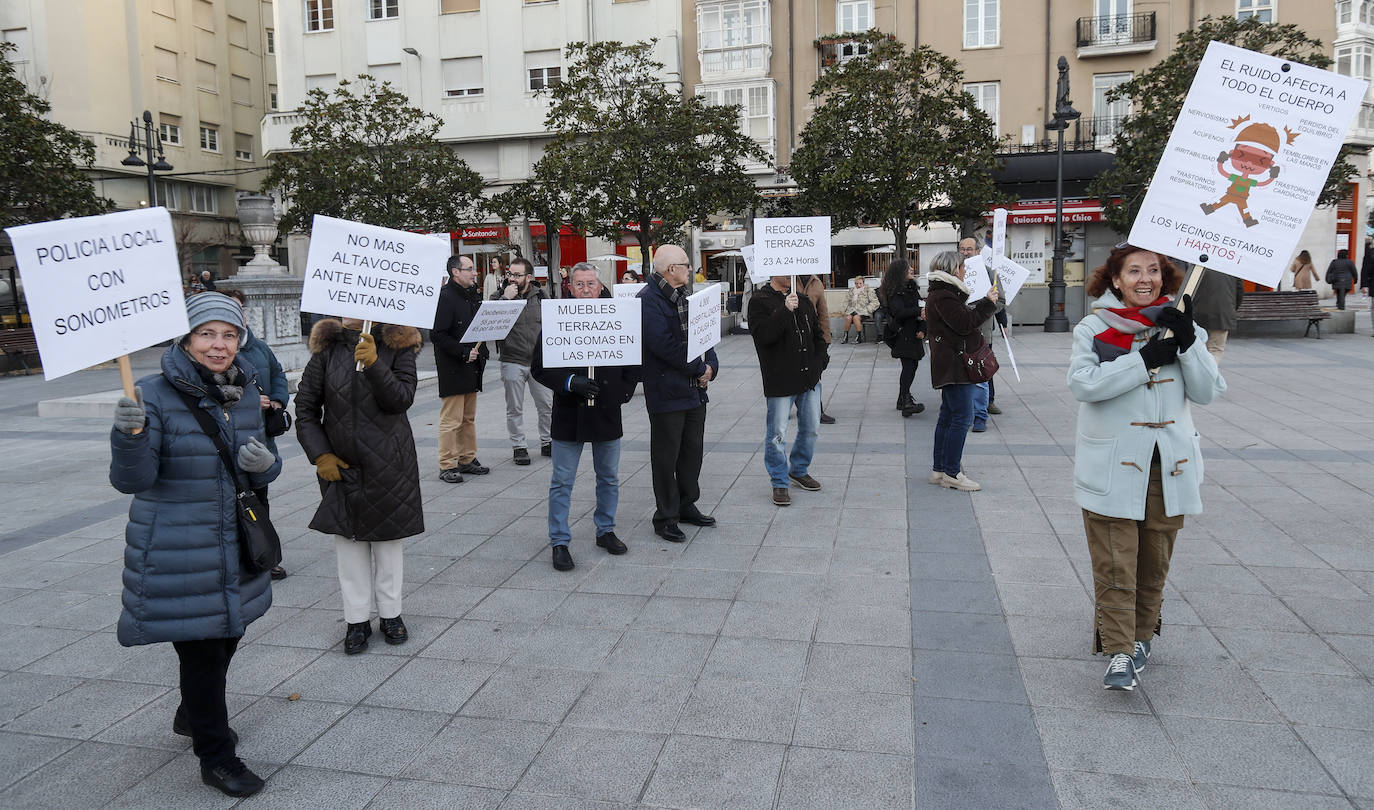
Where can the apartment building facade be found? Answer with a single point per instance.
(205, 71)
(477, 64)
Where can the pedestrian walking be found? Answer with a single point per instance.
(792, 355)
(516, 352)
(1341, 275)
(1304, 274)
(674, 395)
(814, 289)
(1137, 456)
(1214, 309)
(1367, 276)
(184, 577)
(859, 303)
(273, 393)
(985, 398)
(905, 329)
(354, 428)
(459, 367)
(953, 334)
(586, 410)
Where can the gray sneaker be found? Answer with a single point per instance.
(1140, 654)
(1120, 675)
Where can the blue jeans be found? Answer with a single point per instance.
(775, 456)
(956, 416)
(981, 397)
(606, 461)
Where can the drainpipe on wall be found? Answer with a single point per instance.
(791, 89)
(1048, 59)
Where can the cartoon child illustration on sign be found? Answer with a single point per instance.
(1252, 153)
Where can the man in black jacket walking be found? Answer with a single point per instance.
(459, 366)
(792, 354)
(585, 410)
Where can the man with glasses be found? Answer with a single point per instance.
(516, 352)
(675, 395)
(459, 366)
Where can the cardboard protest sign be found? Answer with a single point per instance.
(752, 266)
(1246, 162)
(100, 287)
(355, 270)
(1010, 277)
(999, 232)
(493, 320)
(627, 290)
(703, 321)
(976, 277)
(790, 246)
(591, 332)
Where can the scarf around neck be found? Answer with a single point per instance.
(224, 387)
(678, 297)
(953, 281)
(1123, 324)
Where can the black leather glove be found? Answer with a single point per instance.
(1159, 353)
(1180, 322)
(584, 387)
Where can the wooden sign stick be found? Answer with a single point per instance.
(1190, 285)
(367, 330)
(126, 379)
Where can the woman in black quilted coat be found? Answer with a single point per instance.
(353, 427)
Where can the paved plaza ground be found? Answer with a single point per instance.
(881, 643)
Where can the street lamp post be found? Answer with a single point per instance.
(149, 141)
(1064, 112)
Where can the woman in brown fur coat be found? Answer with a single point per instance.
(354, 429)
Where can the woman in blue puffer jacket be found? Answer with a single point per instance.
(183, 577)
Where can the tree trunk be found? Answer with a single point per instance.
(899, 239)
(555, 258)
(646, 265)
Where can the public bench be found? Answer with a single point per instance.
(20, 344)
(1283, 305)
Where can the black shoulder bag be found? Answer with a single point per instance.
(258, 540)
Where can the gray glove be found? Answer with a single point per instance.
(254, 457)
(129, 413)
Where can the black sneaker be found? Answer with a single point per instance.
(562, 559)
(611, 543)
(394, 630)
(546, 449)
(473, 467)
(232, 778)
(522, 456)
(451, 476)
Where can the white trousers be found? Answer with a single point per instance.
(368, 570)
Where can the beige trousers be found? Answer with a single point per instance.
(457, 430)
(1216, 343)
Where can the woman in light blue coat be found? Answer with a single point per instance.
(1137, 459)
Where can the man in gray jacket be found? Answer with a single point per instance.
(517, 350)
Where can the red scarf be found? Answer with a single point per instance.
(1123, 324)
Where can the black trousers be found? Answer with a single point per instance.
(676, 444)
(904, 382)
(1340, 297)
(204, 665)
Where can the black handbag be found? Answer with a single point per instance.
(259, 544)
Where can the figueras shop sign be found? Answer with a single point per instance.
(378, 274)
(1246, 161)
(100, 287)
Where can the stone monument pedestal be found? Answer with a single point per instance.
(274, 295)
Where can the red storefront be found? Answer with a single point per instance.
(572, 245)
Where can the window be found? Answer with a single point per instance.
(203, 15)
(1107, 115)
(271, 41)
(853, 16)
(455, 6)
(756, 118)
(462, 77)
(542, 70)
(320, 81)
(383, 9)
(1343, 11)
(209, 139)
(238, 33)
(241, 90)
(207, 77)
(1347, 11)
(22, 55)
(1261, 9)
(1113, 22)
(243, 146)
(169, 129)
(986, 96)
(319, 15)
(271, 97)
(167, 8)
(980, 23)
(204, 199)
(165, 65)
(1355, 60)
(168, 195)
(733, 36)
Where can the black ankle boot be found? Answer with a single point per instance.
(355, 638)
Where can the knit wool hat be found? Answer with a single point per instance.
(204, 307)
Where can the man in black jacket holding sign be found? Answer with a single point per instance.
(459, 366)
(792, 354)
(586, 409)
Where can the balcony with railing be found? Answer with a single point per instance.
(1116, 34)
(836, 50)
(1083, 135)
(1362, 129)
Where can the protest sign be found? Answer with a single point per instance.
(999, 232)
(703, 321)
(355, 270)
(1010, 277)
(591, 332)
(100, 287)
(790, 246)
(627, 290)
(751, 266)
(493, 320)
(1246, 162)
(976, 277)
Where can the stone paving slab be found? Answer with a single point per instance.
(881, 643)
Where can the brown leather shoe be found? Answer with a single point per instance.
(781, 496)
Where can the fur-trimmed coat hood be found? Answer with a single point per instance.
(331, 330)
